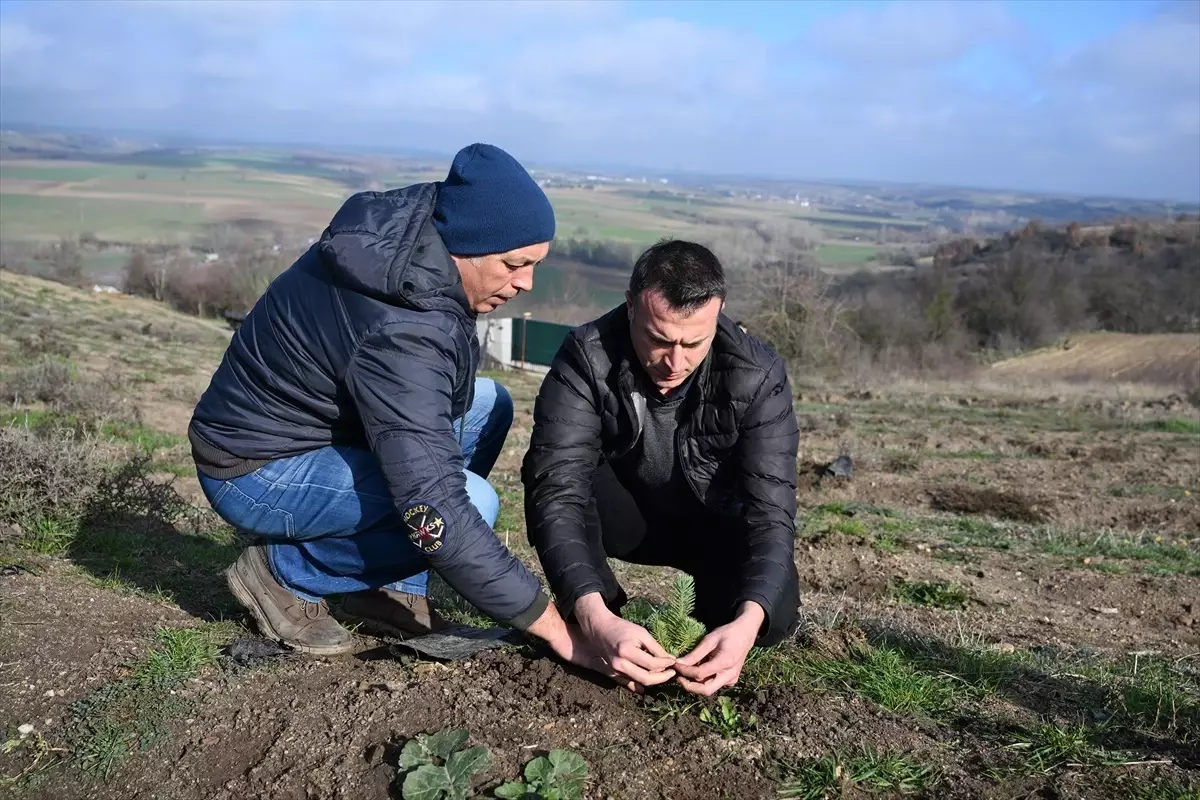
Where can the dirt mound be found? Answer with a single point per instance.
(993, 502)
(1169, 359)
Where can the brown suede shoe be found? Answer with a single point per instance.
(389, 613)
(281, 615)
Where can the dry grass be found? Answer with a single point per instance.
(1165, 359)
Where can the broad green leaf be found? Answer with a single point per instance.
(513, 791)
(539, 770)
(443, 743)
(465, 763)
(569, 771)
(414, 754)
(426, 783)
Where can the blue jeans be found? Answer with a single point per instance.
(328, 518)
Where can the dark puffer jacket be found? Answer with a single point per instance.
(368, 340)
(737, 443)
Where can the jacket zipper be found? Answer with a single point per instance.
(462, 421)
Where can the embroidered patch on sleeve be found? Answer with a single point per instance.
(426, 527)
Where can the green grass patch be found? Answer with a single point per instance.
(933, 594)
(1138, 788)
(883, 675)
(868, 523)
(1159, 553)
(975, 532)
(848, 527)
(865, 769)
(1147, 694)
(50, 535)
(119, 431)
(115, 583)
(1189, 427)
(131, 714)
(888, 542)
(1151, 694)
(1048, 748)
(511, 519)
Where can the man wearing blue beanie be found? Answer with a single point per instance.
(345, 427)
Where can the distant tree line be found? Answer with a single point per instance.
(974, 298)
(597, 252)
(1023, 290)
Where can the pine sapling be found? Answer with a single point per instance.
(673, 625)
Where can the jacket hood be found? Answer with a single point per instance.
(384, 244)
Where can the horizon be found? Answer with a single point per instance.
(1090, 100)
(169, 141)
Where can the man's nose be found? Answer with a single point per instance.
(523, 279)
(675, 358)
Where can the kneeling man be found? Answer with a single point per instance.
(665, 435)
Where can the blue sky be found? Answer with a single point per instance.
(1069, 97)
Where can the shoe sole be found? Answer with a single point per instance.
(247, 599)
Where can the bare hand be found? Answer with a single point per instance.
(718, 660)
(626, 648)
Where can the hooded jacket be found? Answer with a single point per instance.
(368, 340)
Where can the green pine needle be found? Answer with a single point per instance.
(673, 625)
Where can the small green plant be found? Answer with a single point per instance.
(436, 769)
(727, 720)
(673, 625)
(936, 594)
(559, 775)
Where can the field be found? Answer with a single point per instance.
(131, 203)
(1162, 358)
(1001, 602)
(43, 200)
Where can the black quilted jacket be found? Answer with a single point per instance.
(737, 444)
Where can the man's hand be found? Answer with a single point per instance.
(718, 660)
(626, 648)
(571, 645)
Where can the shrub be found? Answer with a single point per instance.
(50, 478)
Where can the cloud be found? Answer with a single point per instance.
(900, 35)
(17, 39)
(928, 92)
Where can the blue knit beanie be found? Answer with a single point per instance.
(489, 204)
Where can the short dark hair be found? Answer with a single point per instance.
(687, 274)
